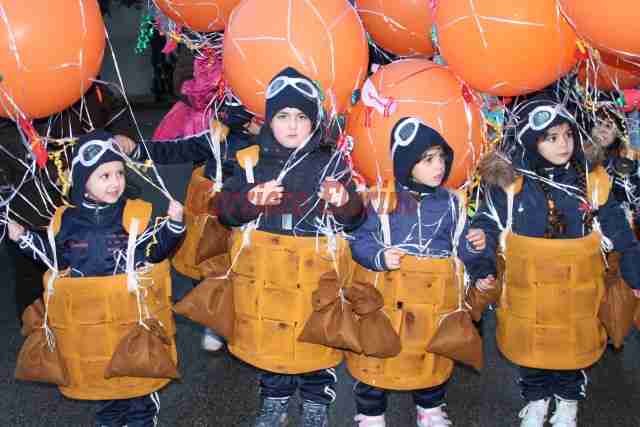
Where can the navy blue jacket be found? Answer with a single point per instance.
(194, 149)
(530, 219)
(423, 227)
(93, 242)
(300, 209)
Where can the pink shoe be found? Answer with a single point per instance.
(367, 421)
(432, 417)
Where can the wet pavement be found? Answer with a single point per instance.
(218, 390)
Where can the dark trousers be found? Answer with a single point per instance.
(28, 277)
(136, 412)
(372, 401)
(316, 387)
(537, 384)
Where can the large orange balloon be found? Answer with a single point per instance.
(323, 39)
(611, 73)
(609, 25)
(199, 15)
(505, 47)
(422, 89)
(49, 52)
(402, 27)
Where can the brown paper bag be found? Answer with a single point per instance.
(37, 362)
(143, 353)
(365, 298)
(377, 336)
(214, 240)
(618, 306)
(210, 304)
(32, 318)
(332, 323)
(478, 300)
(457, 339)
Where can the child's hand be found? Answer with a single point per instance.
(126, 144)
(477, 238)
(16, 231)
(636, 292)
(392, 258)
(485, 284)
(175, 211)
(333, 192)
(266, 194)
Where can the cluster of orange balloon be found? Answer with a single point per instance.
(45, 68)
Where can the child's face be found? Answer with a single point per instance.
(431, 168)
(605, 132)
(106, 183)
(291, 127)
(556, 146)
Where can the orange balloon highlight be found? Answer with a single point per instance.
(505, 47)
(610, 73)
(323, 39)
(49, 53)
(417, 88)
(608, 25)
(402, 27)
(199, 15)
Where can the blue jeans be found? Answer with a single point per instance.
(316, 387)
(372, 401)
(135, 412)
(537, 384)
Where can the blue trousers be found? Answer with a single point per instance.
(537, 384)
(135, 412)
(372, 401)
(316, 387)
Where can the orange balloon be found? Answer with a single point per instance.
(421, 89)
(505, 47)
(322, 39)
(48, 57)
(609, 25)
(402, 27)
(611, 73)
(198, 15)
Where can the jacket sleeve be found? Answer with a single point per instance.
(367, 248)
(193, 148)
(616, 227)
(167, 239)
(490, 217)
(353, 213)
(35, 244)
(232, 205)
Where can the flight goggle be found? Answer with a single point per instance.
(90, 152)
(405, 133)
(541, 117)
(304, 86)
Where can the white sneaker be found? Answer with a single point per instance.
(432, 417)
(369, 421)
(535, 413)
(566, 413)
(210, 341)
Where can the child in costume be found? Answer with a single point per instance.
(606, 133)
(413, 245)
(288, 199)
(103, 240)
(551, 224)
(187, 135)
